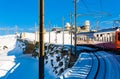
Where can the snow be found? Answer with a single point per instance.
(13, 63)
(80, 69)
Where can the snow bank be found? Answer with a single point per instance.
(13, 61)
(9, 41)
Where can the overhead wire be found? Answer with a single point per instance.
(85, 5)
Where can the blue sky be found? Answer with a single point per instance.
(104, 10)
(23, 13)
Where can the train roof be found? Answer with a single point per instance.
(91, 32)
(107, 30)
(102, 30)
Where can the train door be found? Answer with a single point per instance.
(117, 39)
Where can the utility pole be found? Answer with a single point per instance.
(63, 30)
(49, 35)
(56, 36)
(75, 13)
(49, 31)
(35, 32)
(71, 29)
(41, 58)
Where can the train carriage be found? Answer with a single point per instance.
(105, 38)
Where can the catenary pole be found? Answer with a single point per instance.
(71, 29)
(75, 30)
(63, 29)
(49, 36)
(49, 31)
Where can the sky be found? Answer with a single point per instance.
(20, 13)
(105, 11)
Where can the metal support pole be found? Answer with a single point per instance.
(49, 36)
(41, 58)
(49, 31)
(75, 24)
(63, 30)
(35, 32)
(71, 29)
(56, 36)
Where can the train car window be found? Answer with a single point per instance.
(119, 36)
(110, 38)
(100, 35)
(107, 39)
(104, 39)
(97, 35)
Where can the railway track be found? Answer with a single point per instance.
(106, 66)
(112, 66)
(102, 67)
(94, 68)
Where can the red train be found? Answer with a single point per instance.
(105, 38)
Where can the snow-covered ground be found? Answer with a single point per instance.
(13, 63)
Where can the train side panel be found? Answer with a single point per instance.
(106, 40)
(102, 39)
